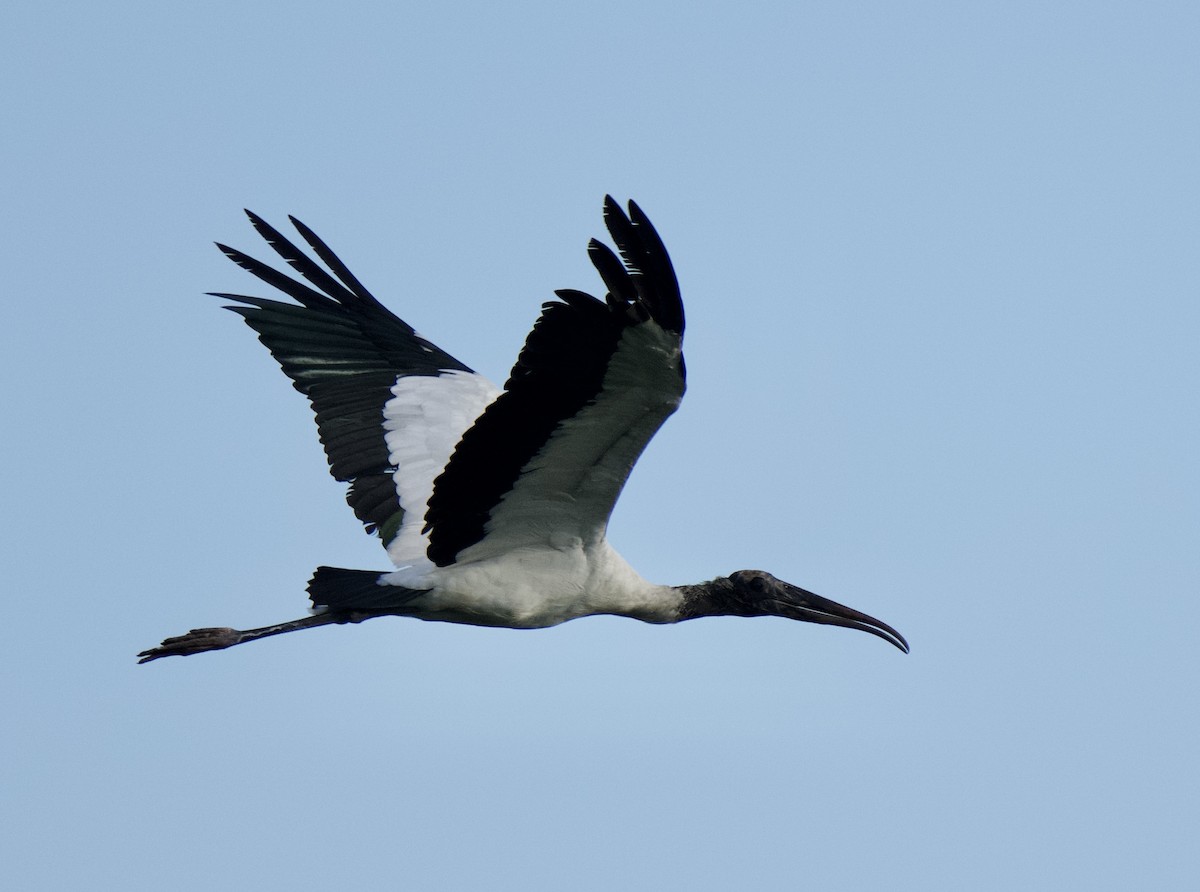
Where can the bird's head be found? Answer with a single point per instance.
(758, 593)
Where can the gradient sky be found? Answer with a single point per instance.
(940, 266)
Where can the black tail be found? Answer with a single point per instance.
(338, 589)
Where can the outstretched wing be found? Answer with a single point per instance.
(545, 462)
(390, 406)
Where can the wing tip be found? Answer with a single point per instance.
(647, 261)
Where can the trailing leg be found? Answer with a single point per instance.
(201, 640)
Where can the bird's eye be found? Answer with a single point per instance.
(758, 584)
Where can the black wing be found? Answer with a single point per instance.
(594, 382)
(345, 351)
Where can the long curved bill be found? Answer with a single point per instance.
(804, 605)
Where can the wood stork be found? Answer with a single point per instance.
(493, 504)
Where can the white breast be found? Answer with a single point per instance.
(532, 588)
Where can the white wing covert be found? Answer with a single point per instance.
(389, 404)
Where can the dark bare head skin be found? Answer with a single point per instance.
(758, 593)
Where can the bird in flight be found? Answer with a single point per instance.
(493, 504)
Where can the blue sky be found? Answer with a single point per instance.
(940, 266)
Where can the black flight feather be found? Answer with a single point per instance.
(559, 371)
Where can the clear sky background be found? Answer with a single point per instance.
(940, 266)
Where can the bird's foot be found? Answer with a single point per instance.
(194, 642)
